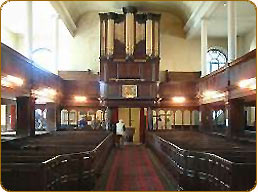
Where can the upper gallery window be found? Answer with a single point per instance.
(43, 57)
(216, 59)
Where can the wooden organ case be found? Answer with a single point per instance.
(129, 58)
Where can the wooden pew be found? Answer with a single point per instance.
(44, 163)
(206, 168)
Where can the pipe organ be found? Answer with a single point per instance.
(129, 55)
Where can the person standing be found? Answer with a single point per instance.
(120, 129)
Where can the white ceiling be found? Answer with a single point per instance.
(182, 9)
(190, 12)
(246, 19)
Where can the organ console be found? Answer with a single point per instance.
(129, 55)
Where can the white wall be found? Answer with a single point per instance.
(13, 40)
(81, 52)
(250, 40)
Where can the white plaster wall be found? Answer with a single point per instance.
(250, 40)
(82, 51)
(13, 40)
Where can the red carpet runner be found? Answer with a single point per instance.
(132, 170)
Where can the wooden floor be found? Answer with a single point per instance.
(134, 168)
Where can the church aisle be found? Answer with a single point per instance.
(133, 168)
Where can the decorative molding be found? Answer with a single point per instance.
(154, 17)
(103, 16)
(140, 18)
(129, 9)
(111, 15)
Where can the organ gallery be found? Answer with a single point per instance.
(128, 96)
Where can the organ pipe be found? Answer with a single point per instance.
(103, 37)
(110, 37)
(130, 26)
(156, 38)
(128, 30)
(149, 35)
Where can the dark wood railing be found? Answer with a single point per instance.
(72, 171)
(196, 170)
(228, 77)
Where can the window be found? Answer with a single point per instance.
(43, 57)
(216, 59)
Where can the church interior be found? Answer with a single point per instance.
(178, 77)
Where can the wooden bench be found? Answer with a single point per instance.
(47, 163)
(207, 167)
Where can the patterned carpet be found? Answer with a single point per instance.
(133, 168)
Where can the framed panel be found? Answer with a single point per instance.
(129, 91)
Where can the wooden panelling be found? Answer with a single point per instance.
(243, 70)
(140, 48)
(133, 103)
(214, 82)
(113, 90)
(177, 88)
(78, 75)
(88, 89)
(119, 50)
(111, 70)
(13, 63)
(182, 76)
(146, 71)
(189, 103)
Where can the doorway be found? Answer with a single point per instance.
(132, 118)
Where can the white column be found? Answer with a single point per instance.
(232, 31)
(204, 47)
(29, 29)
(56, 42)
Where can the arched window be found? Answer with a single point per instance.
(43, 57)
(216, 59)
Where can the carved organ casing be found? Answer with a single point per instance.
(129, 54)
